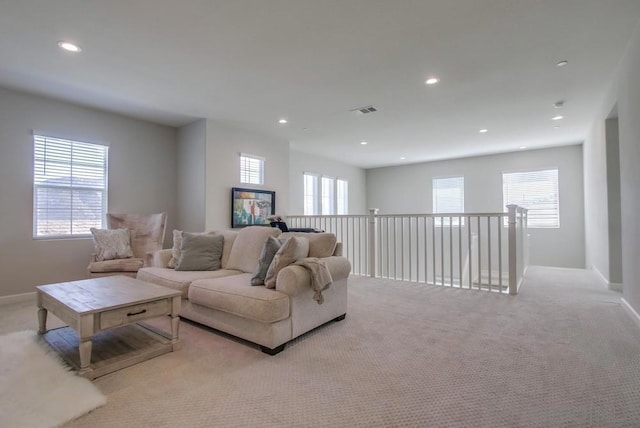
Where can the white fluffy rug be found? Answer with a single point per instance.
(37, 389)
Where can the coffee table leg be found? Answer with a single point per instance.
(85, 333)
(85, 355)
(175, 321)
(42, 320)
(42, 316)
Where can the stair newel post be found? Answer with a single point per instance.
(372, 240)
(513, 258)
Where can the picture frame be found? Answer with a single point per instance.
(251, 207)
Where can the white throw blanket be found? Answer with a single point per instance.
(320, 276)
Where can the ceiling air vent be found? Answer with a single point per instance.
(364, 110)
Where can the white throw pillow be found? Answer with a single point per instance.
(112, 244)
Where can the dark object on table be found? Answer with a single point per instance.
(283, 227)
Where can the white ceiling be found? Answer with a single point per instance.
(251, 62)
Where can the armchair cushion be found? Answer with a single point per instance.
(116, 265)
(112, 244)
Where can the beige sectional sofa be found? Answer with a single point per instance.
(225, 300)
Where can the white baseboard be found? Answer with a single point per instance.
(17, 298)
(614, 286)
(632, 312)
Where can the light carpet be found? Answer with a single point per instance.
(36, 387)
(563, 353)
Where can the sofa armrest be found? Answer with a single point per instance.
(158, 258)
(295, 279)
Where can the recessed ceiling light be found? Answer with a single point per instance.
(523, 147)
(557, 117)
(432, 81)
(562, 63)
(364, 143)
(402, 158)
(282, 121)
(305, 129)
(558, 104)
(68, 46)
(556, 127)
(483, 131)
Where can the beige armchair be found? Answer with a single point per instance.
(147, 235)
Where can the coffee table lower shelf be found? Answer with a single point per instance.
(113, 349)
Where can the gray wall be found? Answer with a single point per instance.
(303, 162)
(141, 179)
(222, 169)
(408, 190)
(191, 176)
(624, 94)
(614, 200)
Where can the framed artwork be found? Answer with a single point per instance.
(251, 207)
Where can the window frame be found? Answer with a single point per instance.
(314, 198)
(41, 138)
(328, 199)
(318, 197)
(531, 213)
(342, 201)
(247, 173)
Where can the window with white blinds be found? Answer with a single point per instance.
(251, 169)
(448, 197)
(69, 187)
(538, 192)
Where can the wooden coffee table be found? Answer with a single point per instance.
(104, 314)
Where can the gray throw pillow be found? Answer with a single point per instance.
(200, 252)
(269, 250)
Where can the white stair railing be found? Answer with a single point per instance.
(462, 250)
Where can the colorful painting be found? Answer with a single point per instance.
(251, 207)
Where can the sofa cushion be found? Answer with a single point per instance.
(320, 244)
(200, 252)
(269, 250)
(179, 280)
(293, 249)
(247, 247)
(235, 295)
(111, 244)
(229, 239)
(116, 265)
